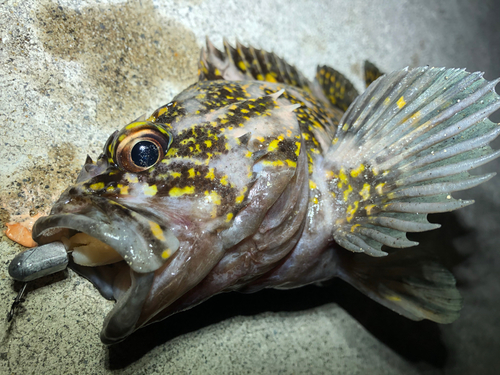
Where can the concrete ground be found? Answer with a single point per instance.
(73, 71)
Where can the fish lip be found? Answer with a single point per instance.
(130, 233)
(127, 233)
(121, 321)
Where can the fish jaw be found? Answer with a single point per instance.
(143, 243)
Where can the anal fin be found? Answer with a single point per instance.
(406, 282)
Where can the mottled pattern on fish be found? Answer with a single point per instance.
(254, 177)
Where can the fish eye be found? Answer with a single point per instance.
(145, 154)
(142, 150)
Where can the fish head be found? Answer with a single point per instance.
(170, 196)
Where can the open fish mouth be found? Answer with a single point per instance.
(116, 248)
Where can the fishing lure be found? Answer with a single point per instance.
(254, 177)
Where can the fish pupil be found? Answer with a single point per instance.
(144, 154)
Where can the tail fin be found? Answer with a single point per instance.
(402, 148)
(405, 282)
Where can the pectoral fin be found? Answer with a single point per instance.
(402, 148)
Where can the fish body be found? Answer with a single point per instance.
(255, 178)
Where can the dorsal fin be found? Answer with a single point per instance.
(336, 87)
(371, 73)
(242, 63)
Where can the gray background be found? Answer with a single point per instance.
(71, 72)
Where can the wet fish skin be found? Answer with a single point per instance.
(255, 178)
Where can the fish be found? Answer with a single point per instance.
(255, 177)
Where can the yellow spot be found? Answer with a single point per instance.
(185, 141)
(335, 140)
(393, 298)
(114, 172)
(291, 163)
(270, 78)
(277, 163)
(229, 217)
(175, 174)
(240, 198)
(217, 72)
(210, 174)
(97, 186)
(379, 187)
(177, 192)
(150, 190)
(416, 116)
(369, 209)
(401, 102)
(353, 228)
(172, 151)
(248, 154)
(347, 192)
(123, 189)
(365, 192)
(343, 177)
(224, 121)
(297, 151)
(345, 127)
(312, 184)
(208, 143)
(157, 231)
(212, 197)
(351, 211)
(274, 144)
(260, 138)
(357, 171)
(387, 101)
(121, 138)
(223, 180)
(191, 173)
(243, 110)
(161, 111)
(110, 188)
(133, 125)
(165, 254)
(131, 178)
(315, 200)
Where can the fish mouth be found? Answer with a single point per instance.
(130, 247)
